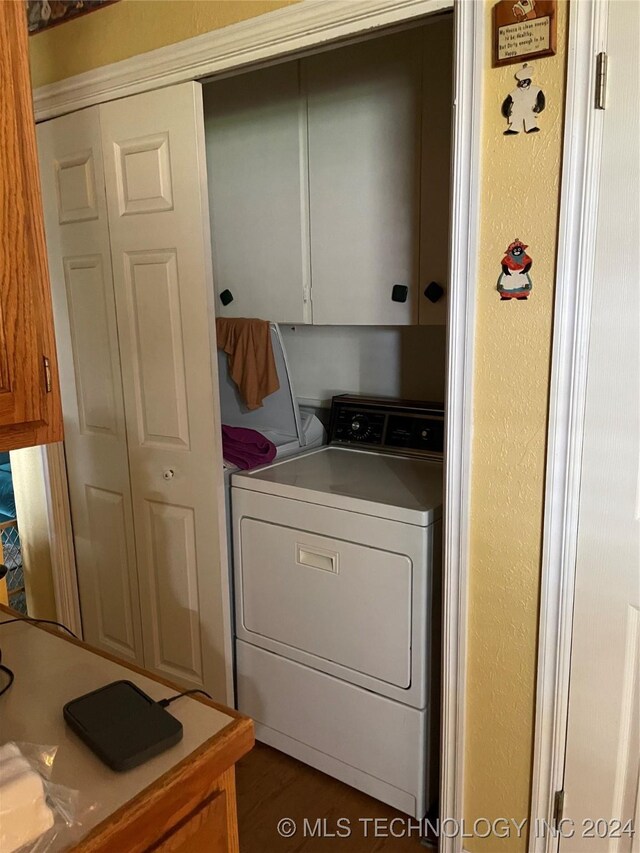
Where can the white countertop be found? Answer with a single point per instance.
(50, 671)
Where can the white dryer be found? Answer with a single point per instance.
(337, 561)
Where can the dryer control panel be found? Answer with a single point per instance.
(394, 426)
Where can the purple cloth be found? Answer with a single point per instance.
(246, 448)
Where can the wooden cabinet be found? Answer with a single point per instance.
(329, 184)
(29, 396)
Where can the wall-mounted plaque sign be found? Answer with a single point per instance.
(523, 29)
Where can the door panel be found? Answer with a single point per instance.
(153, 303)
(143, 175)
(176, 629)
(288, 572)
(157, 196)
(603, 733)
(76, 186)
(91, 343)
(77, 231)
(435, 179)
(256, 127)
(364, 180)
(112, 567)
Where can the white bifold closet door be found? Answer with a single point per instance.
(156, 189)
(70, 150)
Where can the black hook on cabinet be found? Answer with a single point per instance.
(433, 291)
(399, 293)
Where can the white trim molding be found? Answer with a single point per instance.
(574, 282)
(465, 205)
(314, 25)
(285, 31)
(63, 561)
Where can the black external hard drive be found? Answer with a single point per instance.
(122, 725)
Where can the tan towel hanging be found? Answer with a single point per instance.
(247, 343)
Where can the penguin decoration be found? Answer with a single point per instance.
(514, 281)
(524, 10)
(524, 104)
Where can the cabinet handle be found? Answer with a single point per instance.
(168, 474)
(47, 374)
(399, 293)
(226, 297)
(433, 291)
(318, 558)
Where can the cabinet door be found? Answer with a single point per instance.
(155, 176)
(70, 150)
(435, 219)
(29, 393)
(364, 180)
(258, 194)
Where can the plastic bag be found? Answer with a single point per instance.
(35, 813)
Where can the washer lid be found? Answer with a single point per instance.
(394, 487)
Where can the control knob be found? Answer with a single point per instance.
(360, 428)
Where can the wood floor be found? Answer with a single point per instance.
(273, 786)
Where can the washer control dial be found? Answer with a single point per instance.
(360, 427)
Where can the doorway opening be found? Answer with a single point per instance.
(467, 63)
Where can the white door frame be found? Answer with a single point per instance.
(294, 29)
(63, 555)
(572, 315)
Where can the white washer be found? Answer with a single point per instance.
(279, 418)
(337, 556)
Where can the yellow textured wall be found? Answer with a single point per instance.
(130, 27)
(519, 198)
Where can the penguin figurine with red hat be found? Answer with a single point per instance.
(514, 281)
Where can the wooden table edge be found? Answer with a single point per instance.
(232, 742)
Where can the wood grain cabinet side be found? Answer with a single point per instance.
(30, 411)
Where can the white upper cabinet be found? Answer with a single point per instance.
(435, 191)
(329, 184)
(364, 181)
(256, 132)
